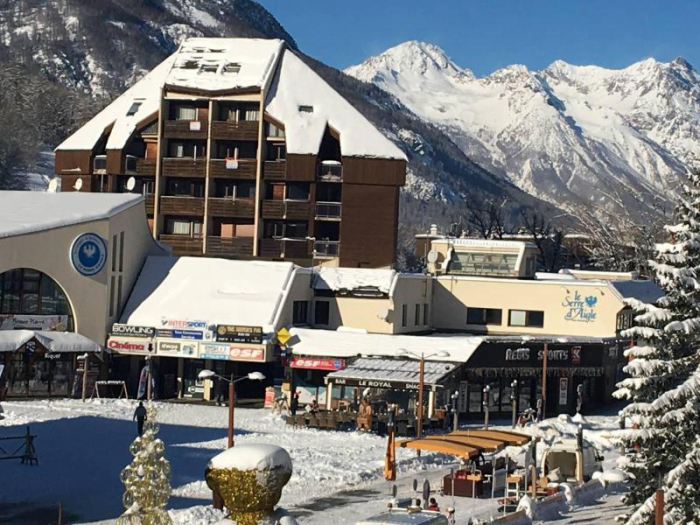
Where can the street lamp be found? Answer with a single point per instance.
(487, 405)
(513, 399)
(422, 357)
(253, 376)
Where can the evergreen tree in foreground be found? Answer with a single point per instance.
(663, 411)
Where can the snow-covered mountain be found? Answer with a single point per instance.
(569, 134)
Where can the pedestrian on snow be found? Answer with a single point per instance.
(450, 516)
(294, 405)
(416, 504)
(219, 391)
(433, 505)
(140, 417)
(313, 407)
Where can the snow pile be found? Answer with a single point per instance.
(349, 279)
(18, 209)
(253, 457)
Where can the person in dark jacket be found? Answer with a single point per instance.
(140, 416)
(294, 405)
(433, 505)
(219, 391)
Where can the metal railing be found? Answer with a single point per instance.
(326, 248)
(328, 210)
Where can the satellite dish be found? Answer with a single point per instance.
(131, 184)
(432, 256)
(53, 186)
(78, 185)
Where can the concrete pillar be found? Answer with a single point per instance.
(431, 403)
(329, 396)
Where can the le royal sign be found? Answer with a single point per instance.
(227, 333)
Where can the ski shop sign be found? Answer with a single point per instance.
(580, 309)
(232, 352)
(127, 330)
(227, 333)
(133, 346)
(313, 363)
(554, 355)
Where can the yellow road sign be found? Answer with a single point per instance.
(283, 335)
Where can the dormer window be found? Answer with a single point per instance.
(134, 108)
(232, 67)
(99, 164)
(306, 109)
(190, 64)
(209, 68)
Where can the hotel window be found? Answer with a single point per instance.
(300, 312)
(416, 316)
(404, 315)
(525, 318)
(180, 150)
(183, 226)
(296, 230)
(276, 152)
(476, 263)
(274, 131)
(250, 114)
(274, 229)
(484, 316)
(184, 112)
(184, 188)
(322, 312)
(298, 191)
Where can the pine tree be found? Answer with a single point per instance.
(147, 479)
(663, 411)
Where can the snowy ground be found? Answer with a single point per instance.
(337, 475)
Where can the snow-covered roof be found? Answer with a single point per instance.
(485, 243)
(390, 370)
(642, 290)
(349, 279)
(306, 104)
(146, 92)
(215, 291)
(333, 343)
(12, 340)
(23, 212)
(253, 457)
(223, 64)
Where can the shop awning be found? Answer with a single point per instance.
(466, 443)
(401, 374)
(509, 438)
(13, 340)
(445, 447)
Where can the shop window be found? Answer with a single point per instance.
(300, 312)
(526, 318)
(28, 292)
(416, 316)
(322, 312)
(484, 316)
(404, 315)
(524, 393)
(475, 393)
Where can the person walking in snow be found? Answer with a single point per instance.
(219, 391)
(433, 505)
(294, 405)
(140, 417)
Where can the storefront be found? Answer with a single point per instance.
(308, 377)
(513, 367)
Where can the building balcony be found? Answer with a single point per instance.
(285, 210)
(228, 169)
(275, 170)
(185, 129)
(230, 246)
(328, 211)
(181, 205)
(146, 167)
(150, 204)
(184, 167)
(330, 171)
(285, 248)
(183, 244)
(228, 207)
(243, 130)
(326, 249)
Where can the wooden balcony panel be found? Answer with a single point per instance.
(271, 248)
(146, 167)
(180, 129)
(150, 204)
(273, 209)
(183, 244)
(225, 130)
(297, 250)
(297, 210)
(186, 167)
(275, 170)
(227, 207)
(230, 247)
(245, 169)
(182, 205)
(288, 249)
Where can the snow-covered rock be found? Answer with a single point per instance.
(253, 457)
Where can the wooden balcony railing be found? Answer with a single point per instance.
(240, 169)
(285, 248)
(183, 244)
(185, 129)
(182, 205)
(184, 167)
(228, 207)
(244, 130)
(275, 170)
(150, 204)
(285, 209)
(230, 247)
(146, 167)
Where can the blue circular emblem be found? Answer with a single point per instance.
(88, 254)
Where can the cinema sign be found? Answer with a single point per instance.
(133, 346)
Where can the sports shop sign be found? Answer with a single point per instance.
(494, 354)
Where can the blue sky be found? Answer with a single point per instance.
(484, 35)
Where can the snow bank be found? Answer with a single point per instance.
(337, 279)
(253, 457)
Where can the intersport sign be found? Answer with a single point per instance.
(127, 330)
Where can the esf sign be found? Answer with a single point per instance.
(127, 330)
(230, 352)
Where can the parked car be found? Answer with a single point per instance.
(406, 517)
(567, 461)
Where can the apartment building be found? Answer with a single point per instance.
(242, 151)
